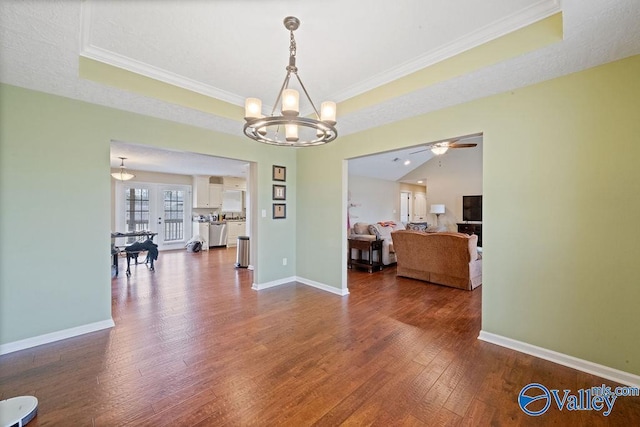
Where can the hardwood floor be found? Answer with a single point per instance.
(194, 345)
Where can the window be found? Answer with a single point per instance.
(137, 210)
(173, 215)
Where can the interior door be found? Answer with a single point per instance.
(420, 207)
(405, 206)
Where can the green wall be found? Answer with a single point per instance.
(55, 206)
(561, 185)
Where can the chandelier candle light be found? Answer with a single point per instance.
(269, 129)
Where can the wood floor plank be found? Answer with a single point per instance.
(195, 345)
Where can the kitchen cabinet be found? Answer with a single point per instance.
(215, 196)
(233, 183)
(202, 229)
(201, 192)
(235, 229)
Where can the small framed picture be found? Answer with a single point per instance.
(279, 192)
(279, 210)
(279, 173)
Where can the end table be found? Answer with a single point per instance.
(370, 246)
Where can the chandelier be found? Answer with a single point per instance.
(289, 129)
(122, 175)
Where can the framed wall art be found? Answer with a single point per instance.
(279, 192)
(279, 173)
(279, 210)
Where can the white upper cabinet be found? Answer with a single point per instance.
(215, 195)
(201, 191)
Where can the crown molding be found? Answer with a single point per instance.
(534, 13)
(88, 50)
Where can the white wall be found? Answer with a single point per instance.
(374, 199)
(450, 176)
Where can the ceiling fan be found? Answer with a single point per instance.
(441, 147)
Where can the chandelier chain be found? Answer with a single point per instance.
(267, 129)
(292, 45)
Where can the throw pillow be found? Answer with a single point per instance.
(374, 231)
(361, 228)
(417, 226)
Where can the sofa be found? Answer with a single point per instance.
(449, 259)
(378, 231)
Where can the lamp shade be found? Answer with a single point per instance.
(437, 209)
(290, 102)
(122, 175)
(252, 108)
(328, 112)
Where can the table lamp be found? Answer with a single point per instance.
(437, 210)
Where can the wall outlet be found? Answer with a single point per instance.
(284, 261)
(264, 213)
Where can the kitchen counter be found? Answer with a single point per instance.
(218, 222)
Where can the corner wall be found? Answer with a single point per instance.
(560, 272)
(56, 211)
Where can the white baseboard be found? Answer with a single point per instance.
(261, 286)
(308, 282)
(612, 374)
(55, 336)
(322, 286)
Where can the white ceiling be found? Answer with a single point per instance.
(152, 159)
(235, 49)
(391, 165)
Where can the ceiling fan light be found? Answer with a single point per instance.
(438, 150)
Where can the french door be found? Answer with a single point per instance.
(159, 208)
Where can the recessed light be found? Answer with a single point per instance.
(407, 162)
(420, 182)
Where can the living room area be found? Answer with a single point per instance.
(425, 189)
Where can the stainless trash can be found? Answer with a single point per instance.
(242, 254)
